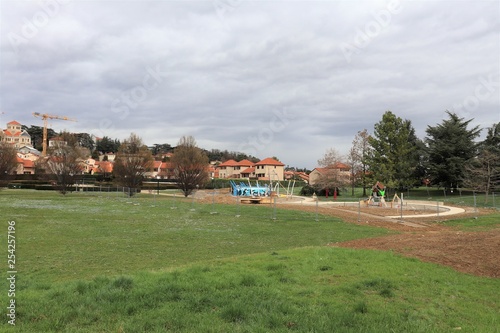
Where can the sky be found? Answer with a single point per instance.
(290, 79)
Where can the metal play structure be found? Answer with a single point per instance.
(378, 196)
(247, 190)
(260, 193)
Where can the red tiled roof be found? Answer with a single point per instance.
(335, 166)
(13, 122)
(9, 133)
(229, 163)
(106, 166)
(25, 163)
(245, 163)
(248, 170)
(321, 170)
(339, 165)
(269, 161)
(167, 165)
(28, 164)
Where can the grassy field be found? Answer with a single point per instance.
(91, 263)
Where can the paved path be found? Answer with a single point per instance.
(395, 218)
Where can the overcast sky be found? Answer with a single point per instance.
(277, 78)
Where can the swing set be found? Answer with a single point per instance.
(378, 197)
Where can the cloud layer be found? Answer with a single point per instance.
(284, 78)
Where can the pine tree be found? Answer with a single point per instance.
(391, 159)
(451, 147)
(483, 171)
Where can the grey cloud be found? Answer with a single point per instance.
(223, 71)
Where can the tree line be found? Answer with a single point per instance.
(448, 157)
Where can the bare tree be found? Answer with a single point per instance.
(64, 164)
(8, 160)
(190, 165)
(334, 173)
(483, 173)
(358, 158)
(132, 161)
(331, 157)
(355, 164)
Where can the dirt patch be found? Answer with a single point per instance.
(469, 252)
(425, 238)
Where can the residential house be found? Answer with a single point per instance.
(213, 171)
(161, 170)
(14, 134)
(25, 166)
(102, 167)
(166, 170)
(270, 169)
(28, 153)
(227, 169)
(107, 156)
(57, 141)
(289, 175)
(338, 169)
(89, 165)
(248, 173)
(245, 169)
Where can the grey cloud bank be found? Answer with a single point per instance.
(223, 71)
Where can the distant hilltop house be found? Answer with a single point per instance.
(14, 134)
(57, 141)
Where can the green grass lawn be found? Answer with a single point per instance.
(91, 263)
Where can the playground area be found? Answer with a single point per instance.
(392, 211)
(421, 232)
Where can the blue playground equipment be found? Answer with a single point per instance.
(247, 190)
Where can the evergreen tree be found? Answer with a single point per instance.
(483, 171)
(391, 159)
(36, 133)
(107, 145)
(451, 147)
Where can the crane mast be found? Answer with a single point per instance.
(45, 117)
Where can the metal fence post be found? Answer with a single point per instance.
(174, 203)
(317, 205)
(274, 208)
(359, 211)
(401, 207)
(475, 206)
(213, 202)
(238, 202)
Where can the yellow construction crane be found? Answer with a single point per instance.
(46, 118)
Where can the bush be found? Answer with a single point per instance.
(310, 190)
(307, 190)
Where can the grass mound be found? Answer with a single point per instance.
(362, 291)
